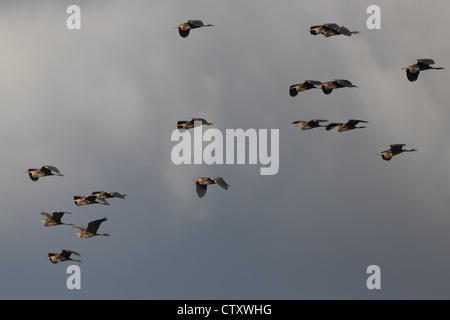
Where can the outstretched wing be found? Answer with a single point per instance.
(183, 33)
(49, 216)
(220, 182)
(52, 168)
(201, 189)
(353, 122)
(412, 76)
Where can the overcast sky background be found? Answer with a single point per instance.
(101, 103)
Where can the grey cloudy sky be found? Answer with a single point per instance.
(101, 103)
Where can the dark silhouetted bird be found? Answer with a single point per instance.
(92, 199)
(327, 87)
(306, 125)
(53, 219)
(201, 184)
(91, 230)
(330, 29)
(44, 171)
(300, 87)
(189, 124)
(412, 72)
(187, 26)
(63, 256)
(349, 125)
(394, 150)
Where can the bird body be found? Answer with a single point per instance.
(185, 28)
(306, 125)
(306, 85)
(53, 219)
(412, 71)
(327, 87)
(44, 171)
(91, 229)
(63, 256)
(201, 184)
(330, 29)
(349, 125)
(189, 124)
(394, 150)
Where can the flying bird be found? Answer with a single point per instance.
(92, 199)
(91, 229)
(201, 184)
(331, 29)
(63, 256)
(394, 150)
(189, 124)
(412, 72)
(349, 125)
(327, 87)
(186, 27)
(103, 195)
(53, 219)
(306, 125)
(306, 85)
(44, 171)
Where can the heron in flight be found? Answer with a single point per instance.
(103, 195)
(201, 184)
(306, 85)
(306, 125)
(44, 171)
(92, 199)
(412, 71)
(91, 229)
(63, 256)
(394, 150)
(331, 29)
(189, 124)
(327, 87)
(349, 125)
(186, 27)
(53, 219)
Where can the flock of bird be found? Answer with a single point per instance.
(327, 30)
(54, 219)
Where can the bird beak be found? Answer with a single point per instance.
(379, 154)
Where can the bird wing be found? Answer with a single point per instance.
(196, 23)
(49, 216)
(117, 195)
(343, 83)
(343, 30)
(397, 147)
(318, 120)
(293, 90)
(80, 228)
(183, 33)
(220, 182)
(426, 62)
(299, 121)
(412, 76)
(354, 122)
(331, 26)
(95, 224)
(201, 189)
(66, 253)
(51, 168)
